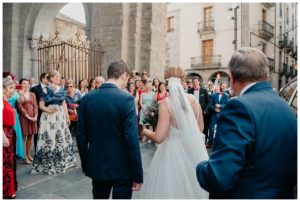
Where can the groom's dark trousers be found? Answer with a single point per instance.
(108, 142)
(121, 189)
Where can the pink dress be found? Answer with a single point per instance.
(28, 106)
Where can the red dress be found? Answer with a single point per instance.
(9, 153)
(159, 98)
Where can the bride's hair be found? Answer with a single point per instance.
(174, 71)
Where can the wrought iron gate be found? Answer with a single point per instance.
(74, 59)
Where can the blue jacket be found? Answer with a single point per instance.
(255, 148)
(107, 135)
(214, 99)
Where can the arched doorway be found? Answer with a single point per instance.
(224, 77)
(39, 21)
(192, 75)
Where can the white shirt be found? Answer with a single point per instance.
(44, 88)
(196, 93)
(246, 88)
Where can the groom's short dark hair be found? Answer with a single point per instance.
(116, 69)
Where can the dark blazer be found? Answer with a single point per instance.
(214, 99)
(38, 91)
(255, 148)
(107, 135)
(203, 98)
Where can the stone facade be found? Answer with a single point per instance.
(259, 25)
(67, 28)
(134, 32)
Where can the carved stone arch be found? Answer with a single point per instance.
(39, 22)
(192, 75)
(224, 76)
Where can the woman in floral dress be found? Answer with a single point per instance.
(55, 151)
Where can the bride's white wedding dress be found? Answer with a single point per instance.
(172, 171)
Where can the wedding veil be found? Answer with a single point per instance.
(184, 119)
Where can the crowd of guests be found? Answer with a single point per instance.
(47, 113)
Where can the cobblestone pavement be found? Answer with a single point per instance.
(70, 185)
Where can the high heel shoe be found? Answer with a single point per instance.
(30, 158)
(27, 161)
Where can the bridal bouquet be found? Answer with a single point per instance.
(151, 114)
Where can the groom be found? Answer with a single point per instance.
(255, 148)
(107, 137)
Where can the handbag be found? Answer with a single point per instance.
(73, 117)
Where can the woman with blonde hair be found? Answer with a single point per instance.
(172, 174)
(55, 152)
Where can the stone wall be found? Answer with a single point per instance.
(133, 32)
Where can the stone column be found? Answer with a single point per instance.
(106, 25)
(34, 56)
(245, 24)
(157, 26)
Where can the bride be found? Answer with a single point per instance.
(172, 172)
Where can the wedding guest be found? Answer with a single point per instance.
(32, 82)
(9, 185)
(210, 88)
(162, 92)
(55, 152)
(144, 75)
(189, 83)
(255, 148)
(72, 101)
(82, 88)
(28, 111)
(185, 87)
(202, 96)
(155, 84)
(39, 91)
(132, 91)
(92, 85)
(14, 101)
(99, 80)
(146, 99)
(131, 80)
(217, 103)
(133, 74)
(62, 82)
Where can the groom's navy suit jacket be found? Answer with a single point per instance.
(107, 135)
(255, 148)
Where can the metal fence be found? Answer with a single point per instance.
(74, 59)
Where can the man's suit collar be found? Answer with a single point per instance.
(109, 85)
(259, 86)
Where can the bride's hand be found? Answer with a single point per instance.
(144, 132)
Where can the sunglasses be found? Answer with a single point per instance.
(69, 86)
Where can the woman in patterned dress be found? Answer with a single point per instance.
(55, 151)
(9, 143)
(28, 111)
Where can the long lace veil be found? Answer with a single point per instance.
(184, 119)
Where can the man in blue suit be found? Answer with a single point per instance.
(217, 103)
(255, 148)
(107, 137)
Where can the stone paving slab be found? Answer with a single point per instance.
(70, 185)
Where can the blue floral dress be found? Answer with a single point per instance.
(55, 151)
(19, 145)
